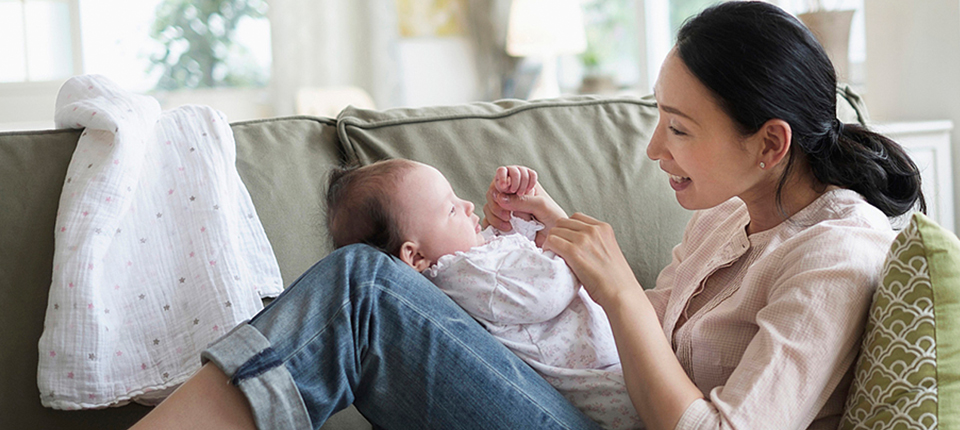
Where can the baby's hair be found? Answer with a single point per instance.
(359, 206)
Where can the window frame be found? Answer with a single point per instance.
(27, 100)
(654, 29)
(76, 44)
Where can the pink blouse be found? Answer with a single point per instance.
(768, 325)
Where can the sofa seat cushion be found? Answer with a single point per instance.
(908, 372)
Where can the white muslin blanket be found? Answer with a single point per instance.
(158, 249)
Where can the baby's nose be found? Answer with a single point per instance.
(470, 207)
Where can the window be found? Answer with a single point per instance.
(39, 40)
(611, 62)
(612, 45)
(142, 45)
(177, 44)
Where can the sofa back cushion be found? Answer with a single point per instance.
(590, 154)
(283, 163)
(33, 167)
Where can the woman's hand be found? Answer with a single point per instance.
(591, 250)
(535, 203)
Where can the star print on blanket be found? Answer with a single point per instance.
(158, 249)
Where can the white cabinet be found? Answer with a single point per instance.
(928, 144)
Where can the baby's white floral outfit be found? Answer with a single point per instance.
(531, 301)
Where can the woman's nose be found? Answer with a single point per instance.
(655, 149)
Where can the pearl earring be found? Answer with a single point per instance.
(762, 166)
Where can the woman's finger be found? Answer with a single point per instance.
(584, 218)
(557, 244)
(493, 213)
(496, 206)
(490, 217)
(573, 224)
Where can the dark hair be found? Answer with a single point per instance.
(358, 205)
(761, 63)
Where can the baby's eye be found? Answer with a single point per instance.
(453, 210)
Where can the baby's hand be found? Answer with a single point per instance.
(518, 180)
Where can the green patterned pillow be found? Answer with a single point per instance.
(908, 372)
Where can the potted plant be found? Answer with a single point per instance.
(606, 21)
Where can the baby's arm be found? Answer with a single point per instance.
(518, 180)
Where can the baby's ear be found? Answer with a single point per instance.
(410, 254)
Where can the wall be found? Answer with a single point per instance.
(237, 104)
(438, 71)
(31, 106)
(913, 65)
(28, 106)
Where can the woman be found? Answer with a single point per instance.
(754, 324)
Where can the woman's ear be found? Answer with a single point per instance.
(410, 254)
(776, 136)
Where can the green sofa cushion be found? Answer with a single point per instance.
(283, 163)
(908, 372)
(33, 166)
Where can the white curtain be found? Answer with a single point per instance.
(324, 43)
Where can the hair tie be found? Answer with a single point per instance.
(838, 127)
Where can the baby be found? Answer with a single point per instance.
(528, 299)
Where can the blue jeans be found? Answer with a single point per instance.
(362, 327)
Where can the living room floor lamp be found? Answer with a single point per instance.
(545, 29)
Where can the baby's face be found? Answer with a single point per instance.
(433, 216)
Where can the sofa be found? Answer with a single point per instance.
(589, 152)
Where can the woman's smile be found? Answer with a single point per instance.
(678, 183)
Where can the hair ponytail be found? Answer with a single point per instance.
(761, 63)
(871, 164)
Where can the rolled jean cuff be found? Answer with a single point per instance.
(273, 396)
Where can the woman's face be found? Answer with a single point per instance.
(697, 143)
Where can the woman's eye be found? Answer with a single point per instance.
(676, 132)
